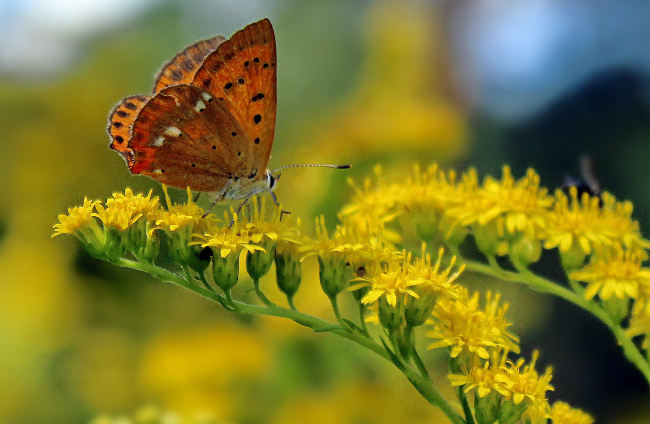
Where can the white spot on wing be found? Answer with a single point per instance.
(206, 96)
(157, 171)
(173, 131)
(159, 141)
(199, 106)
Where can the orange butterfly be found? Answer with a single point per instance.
(210, 121)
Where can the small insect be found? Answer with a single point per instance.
(210, 121)
(588, 184)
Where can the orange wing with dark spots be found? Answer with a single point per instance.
(181, 69)
(204, 125)
(243, 72)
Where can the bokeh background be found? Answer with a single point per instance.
(468, 82)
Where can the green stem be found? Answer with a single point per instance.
(543, 285)
(291, 304)
(205, 282)
(455, 368)
(265, 300)
(337, 312)
(423, 385)
(410, 337)
(362, 319)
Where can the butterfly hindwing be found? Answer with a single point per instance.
(242, 70)
(181, 69)
(185, 137)
(120, 122)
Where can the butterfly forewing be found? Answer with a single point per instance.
(182, 68)
(211, 118)
(242, 72)
(185, 137)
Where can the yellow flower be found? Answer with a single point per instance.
(587, 225)
(394, 283)
(524, 383)
(374, 206)
(640, 320)
(123, 210)
(562, 413)
(139, 204)
(617, 272)
(517, 206)
(482, 375)
(181, 218)
(461, 324)
(226, 240)
(79, 220)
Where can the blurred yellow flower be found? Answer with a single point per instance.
(617, 272)
(563, 413)
(585, 224)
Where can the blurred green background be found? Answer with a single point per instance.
(465, 83)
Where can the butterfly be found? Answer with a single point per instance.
(210, 120)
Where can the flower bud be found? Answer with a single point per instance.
(391, 317)
(225, 268)
(288, 271)
(258, 262)
(509, 413)
(486, 408)
(335, 273)
(418, 310)
(524, 252)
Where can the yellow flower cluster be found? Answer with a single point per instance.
(467, 328)
(516, 218)
(505, 388)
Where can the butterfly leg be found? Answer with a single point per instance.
(275, 200)
(219, 197)
(196, 198)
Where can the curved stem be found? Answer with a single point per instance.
(205, 282)
(543, 285)
(265, 300)
(337, 312)
(423, 385)
(291, 304)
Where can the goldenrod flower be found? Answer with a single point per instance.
(394, 283)
(482, 375)
(78, 220)
(462, 325)
(524, 383)
(334, 266)
(434, 283)
(139, 204)
(374, 206)
(424, 197)
(179, 222)
(563, 413)
(585, 225)
(515, 206)
(226, 243)
(640, 320)
(264, 231)
(617, 272)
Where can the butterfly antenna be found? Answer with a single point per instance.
(311, 166)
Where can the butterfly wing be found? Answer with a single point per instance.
(215, 129)
(242, 71)
(181, 69)
(185, 137)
